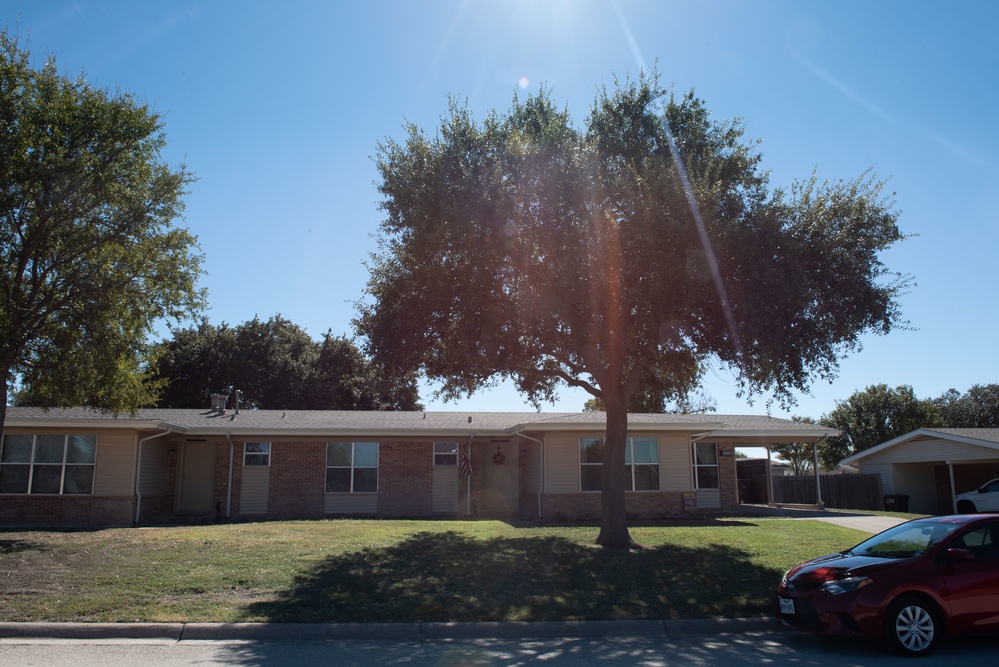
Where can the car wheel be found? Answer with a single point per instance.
(912, 626)
(966, 507)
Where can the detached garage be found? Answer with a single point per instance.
(931, 466)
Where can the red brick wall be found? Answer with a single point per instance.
(298, 480)
(405, 479)
(728, 477)
(67, 510)
(586, 506)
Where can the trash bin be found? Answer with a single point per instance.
(896, 502)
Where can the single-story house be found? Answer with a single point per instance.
(931, 466)
(80, 466)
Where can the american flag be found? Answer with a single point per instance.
(466, 463)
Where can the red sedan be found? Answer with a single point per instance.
(910, 584)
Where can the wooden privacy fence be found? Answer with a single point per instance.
(845, 492)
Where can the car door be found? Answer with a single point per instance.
(973, 585)
(988, 497)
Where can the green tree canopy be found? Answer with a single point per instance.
(617, 257)
(275, 364)
(976, 408)
(799, 455)
(872, 416)
(90, 259)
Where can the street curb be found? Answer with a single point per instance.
(414, 632)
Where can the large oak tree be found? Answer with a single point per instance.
(90, 257)
(618, 257)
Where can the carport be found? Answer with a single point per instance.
(931, 466)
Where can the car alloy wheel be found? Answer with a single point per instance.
(911, 626)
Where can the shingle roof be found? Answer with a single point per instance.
(205, 421)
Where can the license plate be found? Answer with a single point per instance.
(786, 606)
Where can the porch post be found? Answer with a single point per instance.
(818, 483)
(953, 489)
(770, 479)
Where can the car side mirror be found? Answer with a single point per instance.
(959, 556)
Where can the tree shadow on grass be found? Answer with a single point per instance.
(18, 546)
(450, 577)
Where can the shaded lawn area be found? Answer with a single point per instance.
(403, 571)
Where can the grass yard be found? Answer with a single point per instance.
(401, 571)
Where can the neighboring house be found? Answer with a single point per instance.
(78, 466)
(931, 466)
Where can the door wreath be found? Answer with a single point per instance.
(499, 457)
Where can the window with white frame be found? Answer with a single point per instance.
(351, 467)
(705, 465)
(256, 454)
(641, 460)
(445, 453)
(48, 464)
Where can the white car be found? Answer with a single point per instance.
(985, 499)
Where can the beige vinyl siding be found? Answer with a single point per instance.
(444, 497)
(918, 481)
(351, 503)
(934, 449)
(114, 473)
(562, 466)
(885, 470)
(708, 499)
(254, 491)
(154, 468)
(674, 462)
(532, 466)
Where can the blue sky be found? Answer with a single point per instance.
(279, 107)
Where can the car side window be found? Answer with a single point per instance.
(993, 486)
(983, 542)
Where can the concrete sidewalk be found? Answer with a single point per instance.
(871, 523)
(415, 632)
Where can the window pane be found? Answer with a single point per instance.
(17, 449)
(707, 477)
(338, 480)
(646, 450)
(257, 447)
(706, 453)
(79, 479)
(591, 450)
(445, 448)
(337, 453)
(256, 459)
(366, 454)
(14, 478)
(365, 480)
(445, 459)
(50, 448)
(589, 477)
(82, 449)
(646, 478)
(46, 479)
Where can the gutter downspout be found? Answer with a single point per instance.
(468, 480)
(138, 471)
(228, 492)
(544, 456)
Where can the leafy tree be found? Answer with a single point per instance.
(684, 405)
(90, 259)
(617, 257)
(872, 416)
(799, 455)
(275, 364)
(977, 408)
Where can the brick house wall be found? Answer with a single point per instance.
(405, 479)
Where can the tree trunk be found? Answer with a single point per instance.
(613, 517)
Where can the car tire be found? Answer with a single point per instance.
(966, 507)
(912, 626)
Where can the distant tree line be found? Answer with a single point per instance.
(879, 413)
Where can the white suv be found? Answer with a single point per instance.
(985, 499)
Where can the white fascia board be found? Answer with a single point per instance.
(109, 423)
(546, 427)
(345, 433)
(778, 437)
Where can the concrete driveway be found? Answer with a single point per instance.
(871, 523)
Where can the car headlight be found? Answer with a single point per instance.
(840, 586)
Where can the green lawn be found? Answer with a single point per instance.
(399, 571)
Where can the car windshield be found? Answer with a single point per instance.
(906, 540)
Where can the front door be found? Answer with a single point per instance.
(499, 479)
(197, 479)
